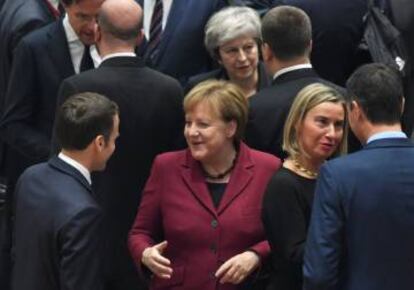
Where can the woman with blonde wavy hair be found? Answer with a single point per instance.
(314, 131)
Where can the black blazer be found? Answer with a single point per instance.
(18, 18)
(221, 74)
(151, 120)
(57, 230)
(336, 35)
(42, 61)
(270, 107)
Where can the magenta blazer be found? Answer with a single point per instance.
(176, 206)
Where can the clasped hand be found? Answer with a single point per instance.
(234, 270)
(237, 268)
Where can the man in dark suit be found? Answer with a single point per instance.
(58, 234)
(17, 18)
(42, 60)
(152, 121)
(287, 37)
(337, 31)
(180, 52)
(402, 13)
(361, 231)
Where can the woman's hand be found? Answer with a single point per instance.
(237, 268)
(153, 259)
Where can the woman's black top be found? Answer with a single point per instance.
(287, 205)
(216, 191)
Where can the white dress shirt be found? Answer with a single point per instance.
(72, 162)
(149, 9)
(118, 54)
(54, 3)
(291, 68)
(76, 47)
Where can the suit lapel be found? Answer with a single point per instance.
(58, 49)
(194, 180)
(240, 178)
(62, 166)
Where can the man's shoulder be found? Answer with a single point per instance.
(41, 36)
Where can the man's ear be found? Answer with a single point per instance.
(99, 143)
(98, 33)
(140, 37)
(267, 53)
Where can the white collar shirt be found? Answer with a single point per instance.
(76, 47)
(72, 162)
(291, 68)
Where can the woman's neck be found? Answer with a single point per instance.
(222, 163)
(249, 85)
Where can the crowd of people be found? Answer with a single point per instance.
(201, 145)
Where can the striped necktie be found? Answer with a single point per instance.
(155, 29)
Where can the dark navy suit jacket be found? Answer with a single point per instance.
(181, 52)
(361, 234)
(57, 230)
(42, 62)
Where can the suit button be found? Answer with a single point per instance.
(214, 224)
(213, 248)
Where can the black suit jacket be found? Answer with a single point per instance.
(57, 230)
(18, 18)
(42, 61)
(270, 107)
(181, 51)
(337, 28)
(151, 120)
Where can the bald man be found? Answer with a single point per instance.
(150, 113)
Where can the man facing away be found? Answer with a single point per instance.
(57, 241)
(361, 233)
(152, 121)
(287, 42)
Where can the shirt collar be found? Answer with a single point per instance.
(118, 54)
(72, 162)
(71, 35)
(386, 135)
(291, 68)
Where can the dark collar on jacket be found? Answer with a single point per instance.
(294, 75)
(64, 167)
(389, 142)
(123, 61)
(241, 176)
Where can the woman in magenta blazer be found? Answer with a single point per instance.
(198, 226)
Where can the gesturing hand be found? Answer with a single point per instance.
(153, 259)
(237, 268)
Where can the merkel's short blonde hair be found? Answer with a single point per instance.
(226, 100)
(308, 98)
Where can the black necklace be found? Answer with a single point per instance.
(220, 175)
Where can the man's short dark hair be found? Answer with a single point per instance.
(122, 33)
(82, 118)
(378, 89)
(288, 32)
